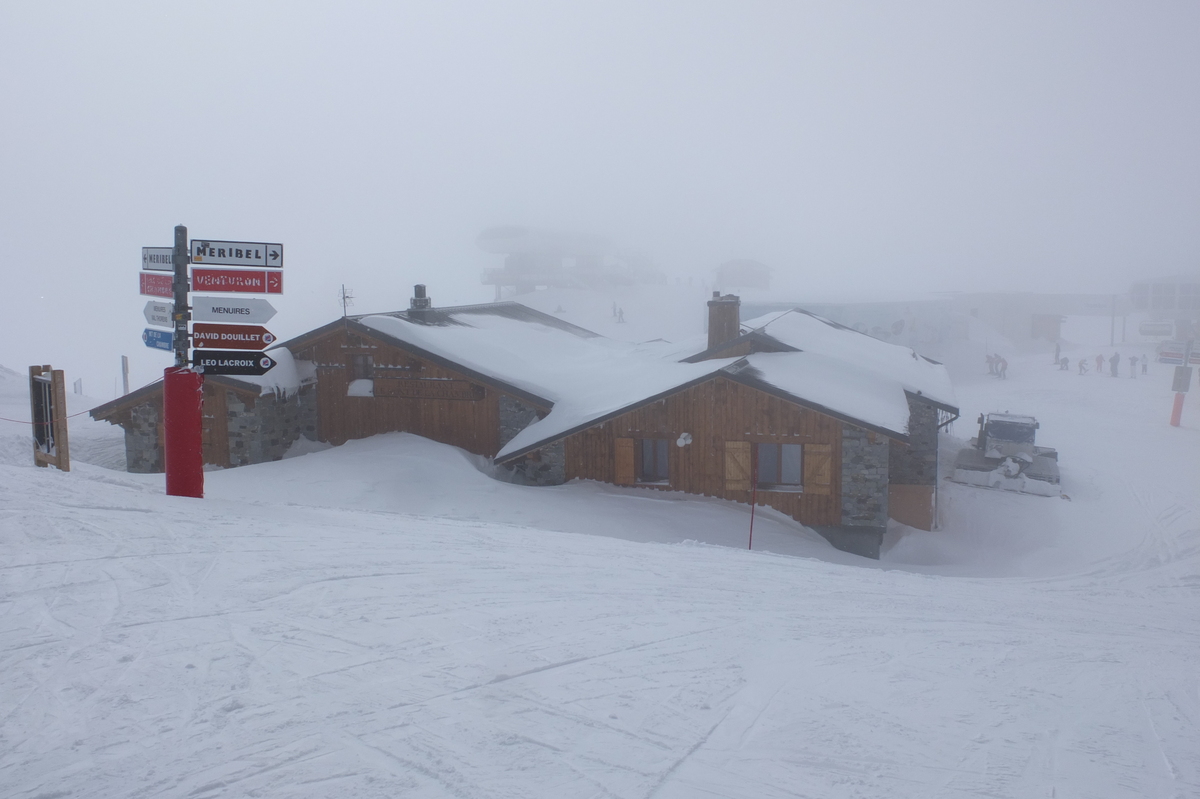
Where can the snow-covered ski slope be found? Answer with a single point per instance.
(383, 620)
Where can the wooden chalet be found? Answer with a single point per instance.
(835, 429)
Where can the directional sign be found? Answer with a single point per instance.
(231, 309)
(157, 339)
(231, 337)
(237, 253)
(221, 362)
(155, 285)
(1173, 352)
(160, 313)
(158, 259)
(239, 280)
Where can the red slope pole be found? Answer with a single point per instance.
(753, 493)
(1177, 410)
(183, 449)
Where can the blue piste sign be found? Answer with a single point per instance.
(158, 339)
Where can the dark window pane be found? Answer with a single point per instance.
(661, 449)
(789, 467)
(647, 448)
(768, 464)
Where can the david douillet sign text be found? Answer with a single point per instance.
(231, 337)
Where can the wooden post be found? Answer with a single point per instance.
(48, 413)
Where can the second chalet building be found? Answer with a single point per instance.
(830, 426)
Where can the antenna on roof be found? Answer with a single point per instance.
(347, 298)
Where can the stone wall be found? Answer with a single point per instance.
(544, 467)
(916, 463)
(143, 454)
(515, 416)
(864, 478)
(265, 431)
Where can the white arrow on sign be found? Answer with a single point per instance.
(232, 309)
(160, 313)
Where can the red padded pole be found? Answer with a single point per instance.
(183, 449)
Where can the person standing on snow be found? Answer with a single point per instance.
(1099, 364)
(1002, 368)
(1083, 366)
(1115, 363)
(1145, 361)
(1133, 361)
(991, 361)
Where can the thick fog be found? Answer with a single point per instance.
(887, 149)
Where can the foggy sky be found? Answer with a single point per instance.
(901, 147)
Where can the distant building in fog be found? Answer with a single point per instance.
(536, 258)
(743, 273)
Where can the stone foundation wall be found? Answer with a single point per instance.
(143, 454)
(264, 432)
(515, 416)
(916, 463)
(864, 478)
(545, 467)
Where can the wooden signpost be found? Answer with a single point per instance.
(48, 411)
(183, 384)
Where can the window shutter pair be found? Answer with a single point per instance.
(818, 467)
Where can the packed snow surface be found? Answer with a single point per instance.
(382, 619)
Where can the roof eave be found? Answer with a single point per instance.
(601, 419)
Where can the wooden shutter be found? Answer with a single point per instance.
(737, 466)
(623, 452)
(818, 468)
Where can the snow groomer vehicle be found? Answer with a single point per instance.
(1004, 456)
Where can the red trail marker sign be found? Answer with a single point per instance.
(244, 281)
(156, 284)
(231, 337)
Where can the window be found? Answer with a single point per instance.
(779, 466)
(652, 460)
(362, 367)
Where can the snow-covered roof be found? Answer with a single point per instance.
(582, 378)
(585, 379)
(285, 377)
(814, 335)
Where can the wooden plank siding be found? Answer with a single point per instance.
(468, 416)
(215, 424)
(716, 412)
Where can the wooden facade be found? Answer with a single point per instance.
(411, 394)
(724, 419)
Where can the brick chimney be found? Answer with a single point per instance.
(724, 319)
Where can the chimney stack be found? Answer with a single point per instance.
(419, 302)
(724, 319)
